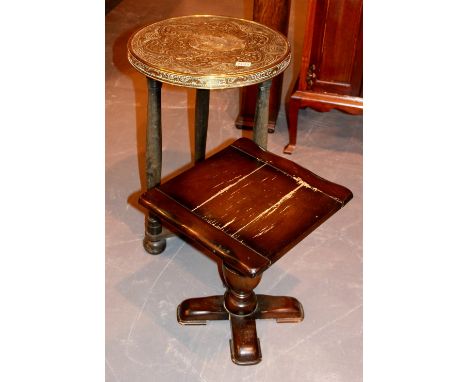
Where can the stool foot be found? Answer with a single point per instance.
(245, 346)
(154, 247)
(155, 239)
(155, 244)
(196, 311)
(282, 308)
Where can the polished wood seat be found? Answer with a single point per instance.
(248, 207)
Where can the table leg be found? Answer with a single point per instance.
(260, 129)
(152, 242)
(202, 107)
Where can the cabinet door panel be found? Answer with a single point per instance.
(336, 51)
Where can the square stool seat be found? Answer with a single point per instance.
(246, 205)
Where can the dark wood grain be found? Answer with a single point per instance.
(246, 205)
(331, 65)
(336, 47)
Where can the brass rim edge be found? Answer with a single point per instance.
(210, 82)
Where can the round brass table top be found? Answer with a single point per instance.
(209, 52)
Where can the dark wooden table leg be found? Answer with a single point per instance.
(202, 107)
(260, 129)
(152, 242)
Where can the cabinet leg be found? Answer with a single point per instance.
(293, 111)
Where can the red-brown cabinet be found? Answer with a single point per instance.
(331, 67)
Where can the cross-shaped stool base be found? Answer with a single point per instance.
(241, 306)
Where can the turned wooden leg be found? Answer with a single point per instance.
(202, 107)
(260, 129)
(293, 111)
(152, 242)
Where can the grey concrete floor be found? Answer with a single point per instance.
(144, 342)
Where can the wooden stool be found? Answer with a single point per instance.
(243, 204)
(248, 207)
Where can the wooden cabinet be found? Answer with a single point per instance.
(331, 67)
(273, 14)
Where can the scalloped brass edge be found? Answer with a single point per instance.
(210, 82)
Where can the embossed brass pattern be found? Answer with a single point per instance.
(209, 52)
